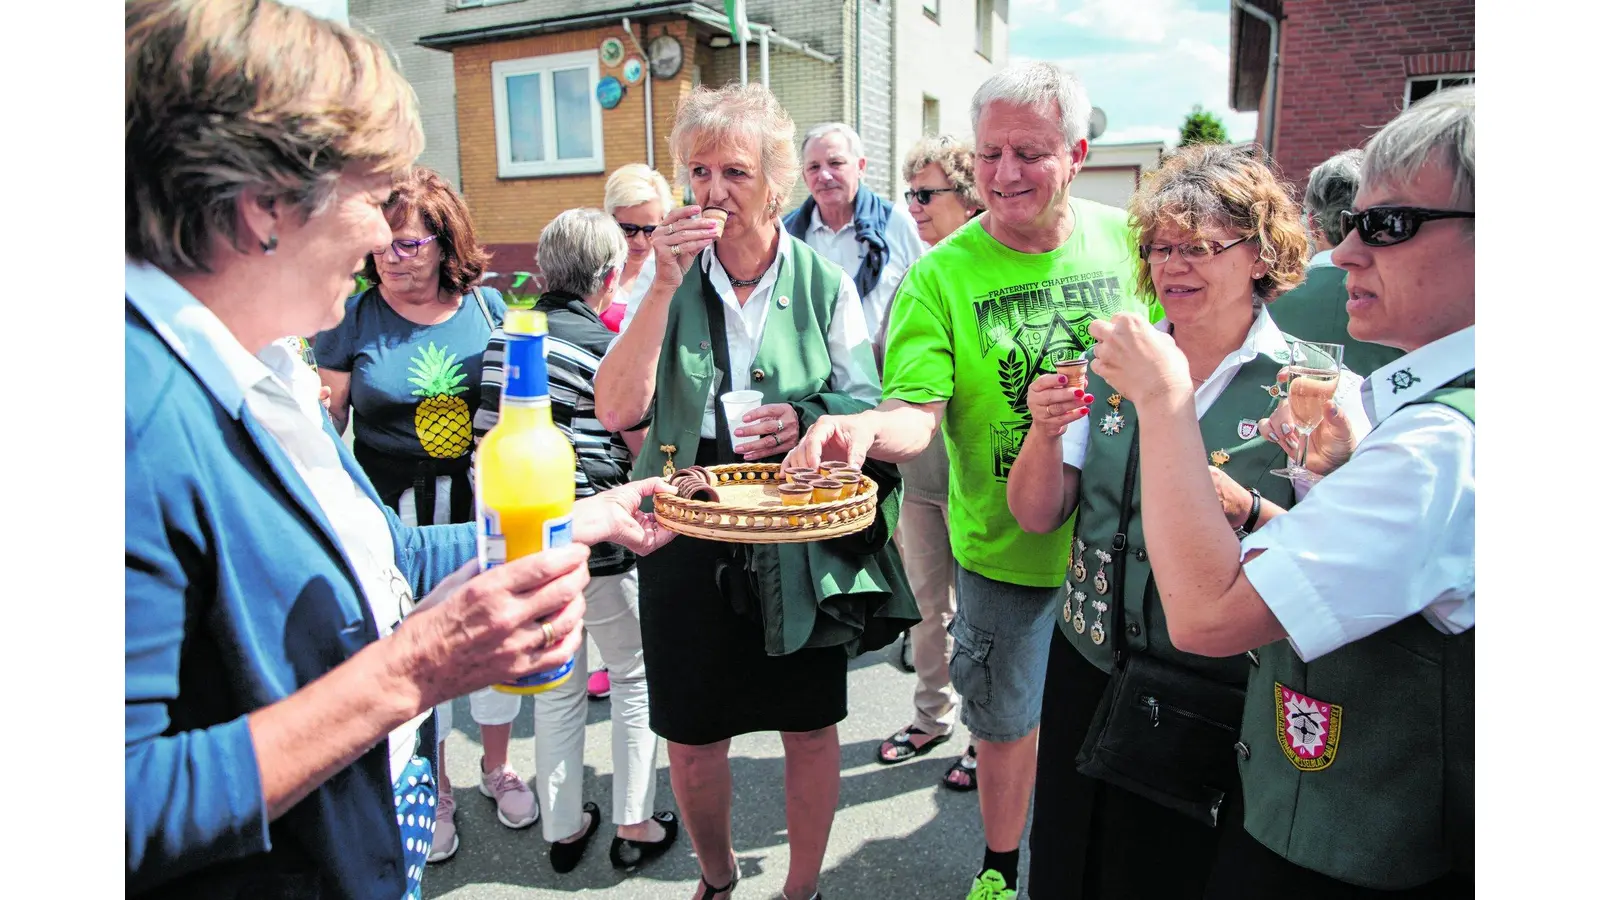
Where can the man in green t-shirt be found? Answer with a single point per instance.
(975, 321)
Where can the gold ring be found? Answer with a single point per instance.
(549, 636)
(671, 226)
(675, 250)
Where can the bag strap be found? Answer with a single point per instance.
(1119, 545)
(718, 321)
(483, 307)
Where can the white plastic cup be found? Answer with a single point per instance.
(734, 405)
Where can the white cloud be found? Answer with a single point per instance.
(1142, 21)
(1139, 133)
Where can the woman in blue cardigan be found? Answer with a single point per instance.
(274, 697)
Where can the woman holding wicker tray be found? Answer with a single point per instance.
(738, 305)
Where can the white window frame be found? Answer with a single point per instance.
(983, 22)
(1471, 77)
(546, 67)
(931, 7)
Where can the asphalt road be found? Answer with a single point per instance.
(897, 833)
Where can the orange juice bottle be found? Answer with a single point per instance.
(526, 471)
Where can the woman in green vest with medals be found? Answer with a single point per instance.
(738, 305)
(1136, 737)
(1356, 749)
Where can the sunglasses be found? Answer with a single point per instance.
(408, 249)
(631, 230)
(1384, 226)
(924, 196)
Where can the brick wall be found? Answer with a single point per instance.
(1344, 65)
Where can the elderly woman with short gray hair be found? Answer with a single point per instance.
(581, 254)
(738, 637)
(1315, 311)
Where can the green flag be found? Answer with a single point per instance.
(737, 23)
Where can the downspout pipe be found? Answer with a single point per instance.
(858, 65)
(1271, 129)
(649, 103)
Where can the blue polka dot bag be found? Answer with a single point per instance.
(415, 797)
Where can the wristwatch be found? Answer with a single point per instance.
(1255, 514)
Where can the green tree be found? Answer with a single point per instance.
(1202, 127)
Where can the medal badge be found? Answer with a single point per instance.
(1079, 570)
(1219, 458)
(1078, 623)
(667, 468)
(1102, 584)
(1247, 429)
(1111, 423)
(1097, 631)
(1308, 729)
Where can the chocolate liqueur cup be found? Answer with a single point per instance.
(1076, 372)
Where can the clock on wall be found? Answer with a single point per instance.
(666, 56)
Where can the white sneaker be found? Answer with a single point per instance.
(516, 806)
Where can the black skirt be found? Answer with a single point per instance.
(706, 664)
(1090, 839)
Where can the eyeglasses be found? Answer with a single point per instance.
(924, 196)
(1385, 226)
(1157, 254)
(408, 249)
(629, 230)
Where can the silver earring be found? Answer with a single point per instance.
(270, 245)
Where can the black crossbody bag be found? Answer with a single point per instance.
(1161, 731)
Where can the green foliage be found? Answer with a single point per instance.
(1202, 127)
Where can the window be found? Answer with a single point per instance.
(931, 9)
(1422, 86)
(930, 114)
(984, 37)
(546, 118)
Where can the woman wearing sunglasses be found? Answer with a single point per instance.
(942, 195)
(639, 198)
(408, 360)
(1219, 238)
(1357, 605)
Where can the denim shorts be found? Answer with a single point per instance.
(1002, 646)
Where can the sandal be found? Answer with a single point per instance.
(714, 892)
(900, 747)
(963, 773)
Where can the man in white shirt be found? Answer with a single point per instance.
(875, 242)
(1369, 786)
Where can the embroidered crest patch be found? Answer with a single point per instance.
(1247, 429)
(1402, 380)
(1308, 729)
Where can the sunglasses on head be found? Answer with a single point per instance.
(631, 230)
(1384, 226)
(924, 196)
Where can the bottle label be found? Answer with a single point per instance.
(557, 532)
(491, 541)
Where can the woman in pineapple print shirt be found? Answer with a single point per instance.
(408, 358)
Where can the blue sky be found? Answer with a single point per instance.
(1145, 62)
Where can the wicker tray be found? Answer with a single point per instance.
(749, 511)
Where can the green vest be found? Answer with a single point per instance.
(1315, 311)
(812, 594)
(1375, 787)
(1229, 431)
(792, 362)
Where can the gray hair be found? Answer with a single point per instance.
(711, 116)
(1437, 128)
(1331, 190)
(578, 248)
(857, 149)
(1036, 84)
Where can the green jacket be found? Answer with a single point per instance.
(849, 592)
(1359, 764)
(1315, 311)
(1229, 431)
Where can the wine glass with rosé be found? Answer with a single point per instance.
(1313, 380)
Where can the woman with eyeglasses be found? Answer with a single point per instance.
(1219, 238)
(639, 198)
(408, 360)
(942, 195)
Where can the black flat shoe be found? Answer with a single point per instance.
(564, 857)
(627, 853)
